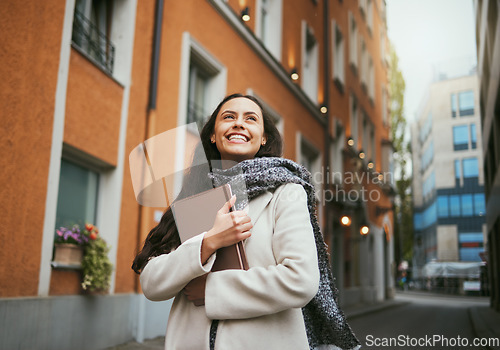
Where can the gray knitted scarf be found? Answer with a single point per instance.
(325, 323)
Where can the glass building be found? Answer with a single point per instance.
(448, 184)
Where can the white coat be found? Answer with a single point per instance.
(259, 308)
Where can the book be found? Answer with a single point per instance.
(196, 214)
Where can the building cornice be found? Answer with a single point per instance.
(256, 45)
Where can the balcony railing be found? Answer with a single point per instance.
(88, 37)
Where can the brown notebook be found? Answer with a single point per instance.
(196, 214)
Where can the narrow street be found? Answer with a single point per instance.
(424, 321)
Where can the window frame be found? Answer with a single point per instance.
(338, 54)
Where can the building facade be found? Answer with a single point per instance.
(91, 80)
(488, 56)
(448, 186)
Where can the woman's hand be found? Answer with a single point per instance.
(229, 228)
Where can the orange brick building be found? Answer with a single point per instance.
(87, 81)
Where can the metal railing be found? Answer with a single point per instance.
(88, 37)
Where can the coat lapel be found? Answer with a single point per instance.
(256, 206)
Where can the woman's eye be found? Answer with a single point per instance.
(252, 118)
(228, 116)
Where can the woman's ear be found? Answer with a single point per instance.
(212, 138)
(264, 140)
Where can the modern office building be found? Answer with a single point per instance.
(448, 184)
(86, 81)
(488, 57)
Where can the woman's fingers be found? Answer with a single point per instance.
(227, 206)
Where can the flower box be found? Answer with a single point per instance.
(68, 254)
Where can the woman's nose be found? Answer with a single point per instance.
(238, 121)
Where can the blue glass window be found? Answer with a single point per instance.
(77, 197)
(479, 207)
(466, 103)
(470, 237)
(430, 215)
(457, 169)
(429, 184)
(442, 202)
(453, 105)
(467, 206)
(428, 155)
(470, 254)
(470, 167)
(473, 137)
(417, 221)
(460, 137)
(454, 205)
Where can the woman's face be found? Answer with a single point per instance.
(239, 130)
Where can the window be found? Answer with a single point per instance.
(430, 215)
(363, 69)
(458, 172)
(470, 237)
(417, 220)
(471, 244)
(365, 141)
(427, 156)
(268, 27)
(353, 41)
(453, 105)
(429, 185)
(466, 204)
(460, 137)
(373, 151)
(92, 26)
(338, 54)
(473, 137)
(479, 207)
(197, 100)
(471, 254)
(466, 103)
(77, 196)
(426, 128)
(354, 120)
(442, 202)
(203, 80)
(384, 105)
(470, 168)
(469, 204)
(382, 45)
(454, 205)
(369, 15)
(310, 63)
(310, 157)
(371, 80)
(264, 21)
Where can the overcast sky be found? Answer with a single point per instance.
(426, 33)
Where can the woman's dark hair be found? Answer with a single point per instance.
(164, 237)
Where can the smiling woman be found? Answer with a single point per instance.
(279, 302)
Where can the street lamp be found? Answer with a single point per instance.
(345, 220)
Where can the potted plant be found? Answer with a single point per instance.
(68, 245)
(96, 267)
(86, 249)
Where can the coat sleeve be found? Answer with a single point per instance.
(291, 283)
(166, 275)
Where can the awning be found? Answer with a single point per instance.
(452, 269)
